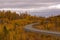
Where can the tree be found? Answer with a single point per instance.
(5, 31)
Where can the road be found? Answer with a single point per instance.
(30, 28)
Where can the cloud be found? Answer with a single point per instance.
(35, 9)
(26, 3)
(32, 6)
(55, 6)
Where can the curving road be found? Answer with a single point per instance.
(29, 28)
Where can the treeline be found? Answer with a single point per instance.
(14, 16)
(10, 15)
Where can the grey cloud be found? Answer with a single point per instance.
(47, 13)
(26, 3)
(30, 1)
(32, 4)
(23, 5)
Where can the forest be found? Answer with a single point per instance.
(12, 26)
(51, 24)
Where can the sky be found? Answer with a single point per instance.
(34, 7)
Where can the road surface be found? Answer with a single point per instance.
(30, 28)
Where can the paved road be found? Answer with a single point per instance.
(30, 28)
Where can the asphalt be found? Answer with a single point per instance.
(29, 28)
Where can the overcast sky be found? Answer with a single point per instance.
(38, 7)
(27, 3)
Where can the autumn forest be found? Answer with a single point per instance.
(12, 26)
